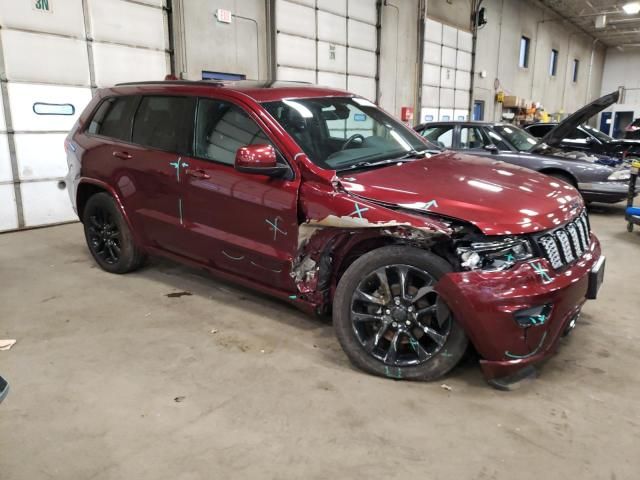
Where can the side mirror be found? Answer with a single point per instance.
(259, 159)
(491, 148)
(4, 389)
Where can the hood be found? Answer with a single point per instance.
(568, 125)
(498, 198)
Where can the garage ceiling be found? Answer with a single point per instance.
(621, 30)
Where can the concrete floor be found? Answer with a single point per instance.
(111, 378)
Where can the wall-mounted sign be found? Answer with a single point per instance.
(42, 6)
(224, 16)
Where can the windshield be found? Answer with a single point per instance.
(341, 132)
(517, 137)
(603, 137)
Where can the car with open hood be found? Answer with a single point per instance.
(599, 178)
(319, 198)
(590, 140)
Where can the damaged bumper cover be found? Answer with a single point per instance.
(490, 307)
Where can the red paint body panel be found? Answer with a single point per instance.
(499, 198)
(249, 228)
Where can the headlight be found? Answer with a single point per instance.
(494, 256)
(620, 175)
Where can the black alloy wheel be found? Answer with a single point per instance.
(104, 236)
(390, 319)
(108, 237)
(397, 316)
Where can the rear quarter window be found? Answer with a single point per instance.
(113, 118)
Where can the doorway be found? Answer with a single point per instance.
(620, 121)
(478, 110)
(605, 122)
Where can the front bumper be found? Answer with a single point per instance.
(484, 303)
(608, 192)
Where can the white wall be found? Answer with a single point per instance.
(52, 55)
(398, 81)
(203, 43)
(622, 69)
(498, 47)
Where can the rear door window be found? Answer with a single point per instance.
(440, 135)
(471, 138)
(113, 117)
(222, 128)
(165, 123)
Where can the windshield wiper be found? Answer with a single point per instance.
(368, 164)
(414, 154)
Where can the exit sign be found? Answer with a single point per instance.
(223, 16)
(41, 5)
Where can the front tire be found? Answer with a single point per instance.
(564, 177)
(108, 236)
(389, 320)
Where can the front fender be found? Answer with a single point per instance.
(336, 222)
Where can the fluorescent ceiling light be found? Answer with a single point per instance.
(631, 8)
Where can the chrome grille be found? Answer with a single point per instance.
(575, 240)
(566, 244)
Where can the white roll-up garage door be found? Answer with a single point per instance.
(446, 73)
(328, 42)
(53, 53)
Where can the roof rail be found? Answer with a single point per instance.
(211, 83)
(219, 83)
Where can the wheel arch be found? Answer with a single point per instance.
(85, 191)
(560, 171)
(323, 260)
(89, 187)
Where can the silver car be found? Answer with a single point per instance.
(511, 144)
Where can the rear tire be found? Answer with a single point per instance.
(108, 236)
(394, 331)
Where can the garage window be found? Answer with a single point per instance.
(525, 43)
(165, 123)
(576, 66)
(553, 63)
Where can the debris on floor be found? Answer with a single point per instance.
(178, 294)
(179, 399)
(213, 331)
(6, 344)
(446, 387)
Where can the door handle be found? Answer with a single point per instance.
(122, 155)
(197, 173)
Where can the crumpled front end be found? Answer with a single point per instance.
(514, 318)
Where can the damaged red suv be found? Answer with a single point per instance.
(319, 198)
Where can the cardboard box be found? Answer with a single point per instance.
(511, 101)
